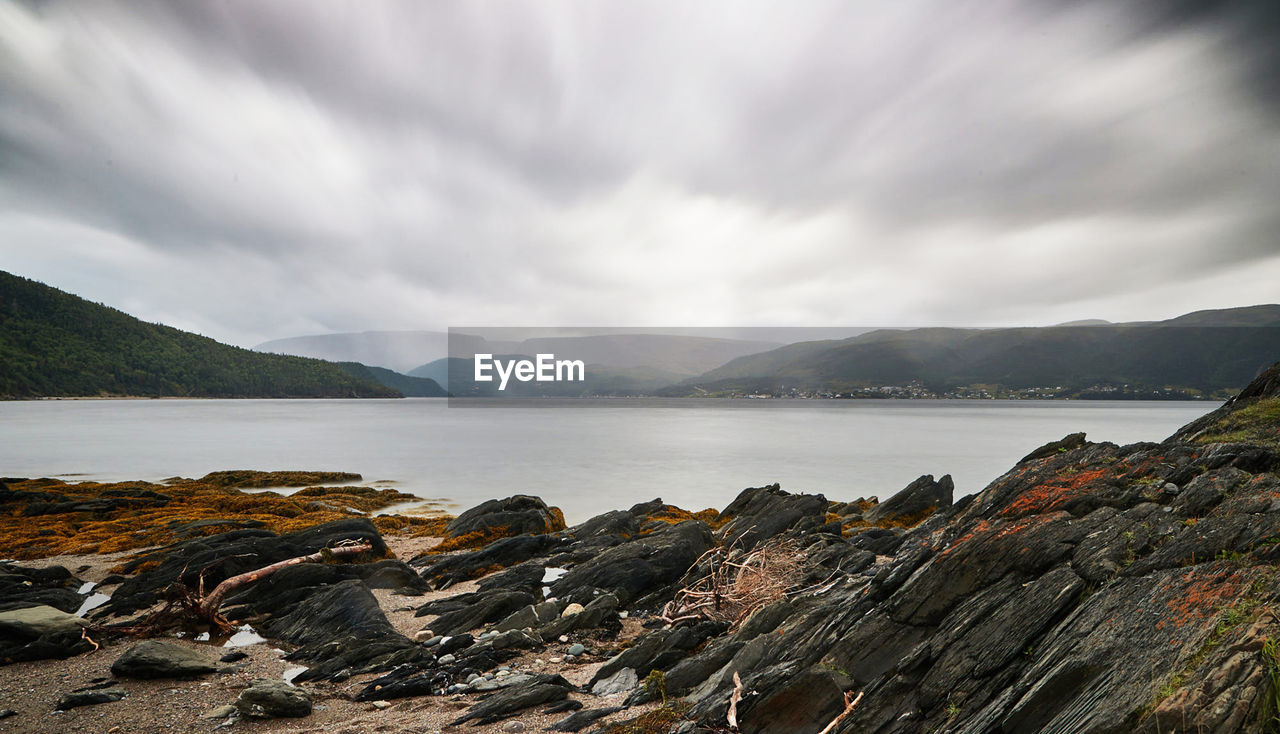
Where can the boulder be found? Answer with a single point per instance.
(582, 719)
(501, 553)
(30, 587)
(516, 515)
(157, 659)
(39, 633)
(914, 503)
(481, 609)
(273, 699)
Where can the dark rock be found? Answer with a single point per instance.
(501, 553)
(914, 503)
(760, 513)
(345, 610)
(454, 643)
(516, 515)
(593, 614)
(560, 707)
(539, 689)
(645, 566)
(658, 650)
(804, 704)
(233, 657)
(483, 608)
(272, 699)
(406, 681)
(40, 633)
(583, 719)
(89, 698)
(156, 659)
(1053, 448)
(30, 587)
(219, 557)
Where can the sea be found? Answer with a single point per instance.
(586, 456)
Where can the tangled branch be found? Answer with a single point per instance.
(738, 585)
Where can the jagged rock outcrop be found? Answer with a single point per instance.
(1093, 588)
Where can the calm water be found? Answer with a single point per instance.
(586, 456)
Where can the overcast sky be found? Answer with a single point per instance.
(254, 170)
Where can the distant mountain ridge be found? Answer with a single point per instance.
(54, 344)
(1204, 352)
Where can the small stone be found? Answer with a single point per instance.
(577, 649)
(89, 698)
(433, 641)
(233, 657)
(221, 712)
(448, 659)
(502, 673)
(267, 698)
(473, 678)
(572, 609)
(423, 635)
(564, 638)
(514, 726)
(380, 705)
(556, 660)
(622, 614)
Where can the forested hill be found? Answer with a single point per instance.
(54, 344)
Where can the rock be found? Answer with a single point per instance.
(658, 650)
(233, 657)
(220, 712)
(501, 553)
(6, 713)
(381, 705)
(1053, 448)
(39, 633)
(596, 614)
(582, 719)
(272, 699)
(30, 587)
(426, 637)
(227, 554)
(804, 705)
(913, 503)
(620, 682)
(536, 690)
(572, 609)
(484, 608)
(760, 513)
(646, 566)
(448, 659)
(516, 515)
(576, 649)
(529, 617)
(89, 698)
(156, 659)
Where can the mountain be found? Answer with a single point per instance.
(396, 350)
(1208, 352)
(54, 344)
(410, 387)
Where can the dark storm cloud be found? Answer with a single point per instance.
(256, 170)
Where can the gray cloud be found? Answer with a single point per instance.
(256, 170)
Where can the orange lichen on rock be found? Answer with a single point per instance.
(1054, 493)
(46, 517)
(1205, 594)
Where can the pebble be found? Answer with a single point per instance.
(577, 649)
(433, 641)
(473, 678)
(381, 705)
(572, 609)
(502, 673)
(513, 726)
(221, 712)
(564, 638)
(448, 659)
(423, 635)
(556, 660)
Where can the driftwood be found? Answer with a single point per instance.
(207, 607)
(849, 705)
(733, 701)
(186, 608)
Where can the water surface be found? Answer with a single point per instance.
(586, 456)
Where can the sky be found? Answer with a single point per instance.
(254, 170)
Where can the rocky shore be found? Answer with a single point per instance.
(1092, 588)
